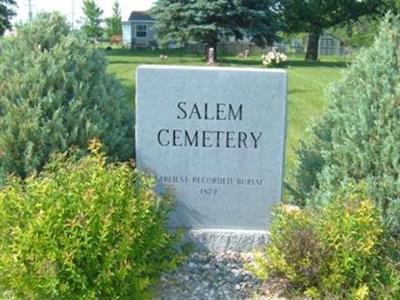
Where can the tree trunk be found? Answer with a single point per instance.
(312, 47)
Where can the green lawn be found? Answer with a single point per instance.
(307, 83)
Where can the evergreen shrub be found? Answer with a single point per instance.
(358, 139)
(83, 229)
(339, 251)
(55, 93)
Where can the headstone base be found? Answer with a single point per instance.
(219, 240)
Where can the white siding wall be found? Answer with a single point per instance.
(127, 33)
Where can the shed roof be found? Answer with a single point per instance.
(140, 16)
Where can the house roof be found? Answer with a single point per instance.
(140, 16)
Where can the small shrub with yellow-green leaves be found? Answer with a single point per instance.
(83, 229)
(336, 252)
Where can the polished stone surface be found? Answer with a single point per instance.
(215, 137)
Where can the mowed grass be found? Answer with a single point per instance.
(306, 92)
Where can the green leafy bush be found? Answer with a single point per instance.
(54, 94)
(83, 230)
(336, 252)
(359, 137)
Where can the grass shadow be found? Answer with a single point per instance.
(244, 62)
(149, 53)
(326, 64)
(116, 62)
(296, 91)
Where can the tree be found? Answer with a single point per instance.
(6, 13)
(314, 16)
(207, 21)
(55, 93)
(114, 24)
(92, 19)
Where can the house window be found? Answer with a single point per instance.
(141, 30)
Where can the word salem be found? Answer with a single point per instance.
(219, 111)
(208, 139)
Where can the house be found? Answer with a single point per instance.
(138, 30)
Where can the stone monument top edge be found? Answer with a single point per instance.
(208, 68)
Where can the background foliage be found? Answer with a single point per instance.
(55, 93)
(114, 23)
(92, 20)
(358, 34)
(7, 11)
